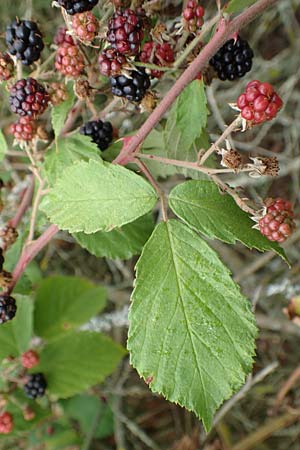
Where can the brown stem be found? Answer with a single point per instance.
(75, 111)
(24, 205)
(159, 191)
(223, 33)
(30, 252)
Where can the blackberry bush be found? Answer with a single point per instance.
(24, 129)
(101, 133)
(85, 26)
(24, 40)
(233, 60)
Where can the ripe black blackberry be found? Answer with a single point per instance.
(233, 60)
(24, 40)
(28, 98)
(8, 308)
(35, 386)
(101, 133)
(77, 6)
(133, 88)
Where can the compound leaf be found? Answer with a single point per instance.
(77, 361)
(63, 303)
(120, 243)
(97, 196)
(191, 330)
(201, 205)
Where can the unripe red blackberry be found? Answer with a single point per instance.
(101, 133)
(6, 423)
(36, 386)
(62, 37)
(24, 129)
(277, 222)
(58, 93)
(192, 16)
(24, 40)
(69, 61)
(233, 60)
(125, 31)
(111, 62)
(259, 102)
(28, 98)
(85, 26)
(132, 88)
(30, 359)
(8, 308)
(6, 67)
(77, 6)
(159, 54)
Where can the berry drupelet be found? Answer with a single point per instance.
(6, 423)
(233, 60)
(8, 308)
(192, 16)
(69, 61)
(6, 67)
(62, 37)
(125, 31)
(24, 129)
(85, 26)
(28, 98)
(159, 54)
(35, 386)
(77, 6)
(111, 62)
(101, 133)
(30, 359)
(133, 88)
(259, 102)
(277, 222)
(24, 40)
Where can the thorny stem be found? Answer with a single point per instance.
(30, 252)
(24, 205)
(159, 191)
(210, 172)
(223, 33)
(234, 126)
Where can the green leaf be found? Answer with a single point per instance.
(63, 303)
(3, 145)
(77, 361)
(235, 6)
(59, 113)
(184, 133)
(191, 330)
(191, 112)
(67, 151)
(216, 215)
(85, 409)
(91, 196)
(120, 243)
(16, 334)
